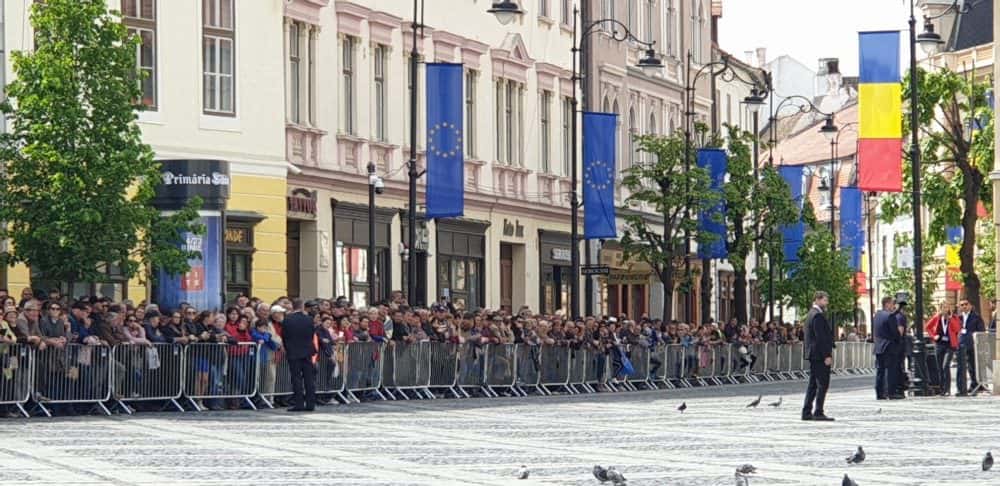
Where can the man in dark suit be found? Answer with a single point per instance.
(819, 351)
(887, 345)
(300, 347)
(971, 324)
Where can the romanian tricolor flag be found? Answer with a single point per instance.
(880, 112)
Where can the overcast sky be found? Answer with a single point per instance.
(810, 29)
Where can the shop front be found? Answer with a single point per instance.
(625, 290)
(556, 271)
(460, 262)
(350, 233)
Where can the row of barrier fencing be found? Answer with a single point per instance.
(985, 345)
(200, 376)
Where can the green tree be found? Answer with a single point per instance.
(676, 192)
(78, 178)
(754, 209)
(955, 161)
(820, 268)
(901, 279)
(986, 262)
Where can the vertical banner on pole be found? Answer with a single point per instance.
(712, 220)
(880, 113)
(852, 237)
(445, 156)
(793, 235)
(599, 175)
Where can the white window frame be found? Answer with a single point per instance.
(214, 37)
(471, 132)
(545, 125)
(348, 70)
(137, 25)
(380, 87)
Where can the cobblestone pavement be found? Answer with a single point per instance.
(483, 442)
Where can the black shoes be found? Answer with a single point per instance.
(807, 417)
(822, 418)
(897, 397)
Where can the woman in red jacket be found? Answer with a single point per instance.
(943, 330)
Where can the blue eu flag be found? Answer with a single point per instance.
(793, 235)
(712, 220)
(445, 159)
(599, 175)
(852, 237)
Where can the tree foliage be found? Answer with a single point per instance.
(677, 192)
(956, 154)
(755, 208)
(820, 268)
(78, 178)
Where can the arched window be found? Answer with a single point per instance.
(606, 105)
(697, 23)
(651, 130)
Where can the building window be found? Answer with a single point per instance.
(509, 122)
(567, 11)
(567, 134)
(546, 127)
(219, 43)
(347, 74)
(140, 19)
(470, 113)
(618, 132)
(697, 16)
(608, 12)
(380, 61)
(410, 88)
(650, 31)
(633, 12)
(669, 28)
(543, 8)
(294, 66)
(499, 122)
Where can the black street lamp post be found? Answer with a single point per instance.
(507, 11)
(930, 42)
(375, 186)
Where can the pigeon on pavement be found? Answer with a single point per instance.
(746, 469)
(616, 477)
(848, 481)
(683, 406)
(742, 480)
(523, 473)
(775, 404)
(987, 461)
(601, 474)
(858, 457)
(756, 402)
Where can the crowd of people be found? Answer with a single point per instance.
(50, 320)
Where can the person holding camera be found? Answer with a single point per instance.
(971, 324)
(943, 330)
(819, 351)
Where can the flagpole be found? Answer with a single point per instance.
(411, 254)
(918, 264)
(574, 203)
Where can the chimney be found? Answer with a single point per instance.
(761, 56)
(834, 79)
(827, 68)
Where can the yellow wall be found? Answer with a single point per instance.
(266, 196)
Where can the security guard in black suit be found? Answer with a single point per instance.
(300, 347)
(819, 351)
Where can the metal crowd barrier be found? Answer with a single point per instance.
(501, 368)
(364, 369)
(215, 372)
(412, 369)
(16, 374)
(444, 367)
(147, 373)
(74, 373)
(985, 344)
(206, 374)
